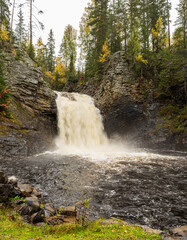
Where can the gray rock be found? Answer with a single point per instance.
(49, 210)
(35, 193)
(68, 211)
(33, 202)
(26, 189)
(25, 210)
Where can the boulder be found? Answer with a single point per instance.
(38, 217)
(6, 191)
(26, 189)
(33, 202)
(49, 210)
(13, 180)
(25, 210)
(35, 193)
(68, 211)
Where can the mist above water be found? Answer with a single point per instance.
(81, 130)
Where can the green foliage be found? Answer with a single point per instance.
(20, 28)
(182, 20)
(31, 51)
(51, 51)
(68, 47)
(12, 199)
(175, 118)
(16, 229)
(82, 212)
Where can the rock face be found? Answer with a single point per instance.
(33, 126)
(129, 107)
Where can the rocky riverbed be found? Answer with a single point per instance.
(139, 187)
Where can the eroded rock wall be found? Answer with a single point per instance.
(33, 108)
(129, 106)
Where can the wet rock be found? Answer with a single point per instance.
(26, 189)
(49, 210)
(38, 217)
(33, 202)
(25, 210)
(3, 178)
(35, 193)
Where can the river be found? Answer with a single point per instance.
(135, 185)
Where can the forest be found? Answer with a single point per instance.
(140, 28)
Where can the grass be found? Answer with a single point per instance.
(15, 228)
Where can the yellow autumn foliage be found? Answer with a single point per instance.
(159, 37)
(105, 52)
(4, 33)
(139, 58)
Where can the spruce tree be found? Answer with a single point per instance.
(98, 21)
(20, 28)
(51, 51)
(182, 20)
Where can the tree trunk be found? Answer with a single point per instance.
(12, 19)
(169, 42)
(30, 24)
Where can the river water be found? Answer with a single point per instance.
(136, 185)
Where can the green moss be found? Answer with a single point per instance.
(175, 118)
(12, 227)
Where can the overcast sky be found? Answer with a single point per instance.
(59, 13)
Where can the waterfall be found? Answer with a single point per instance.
(79, 122)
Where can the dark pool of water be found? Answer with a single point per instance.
(147, 188)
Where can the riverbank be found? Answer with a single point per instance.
(24, 216)
(17, 229)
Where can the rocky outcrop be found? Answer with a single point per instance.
(130, 108)
(33, 124)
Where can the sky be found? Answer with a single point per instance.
(59, 13)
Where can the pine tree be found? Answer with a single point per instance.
(98, 23)
(51, 51)
(20, 28)
(182, 20)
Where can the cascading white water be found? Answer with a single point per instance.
(80, 123)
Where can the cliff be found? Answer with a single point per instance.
(32, 126)
(130, 107)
